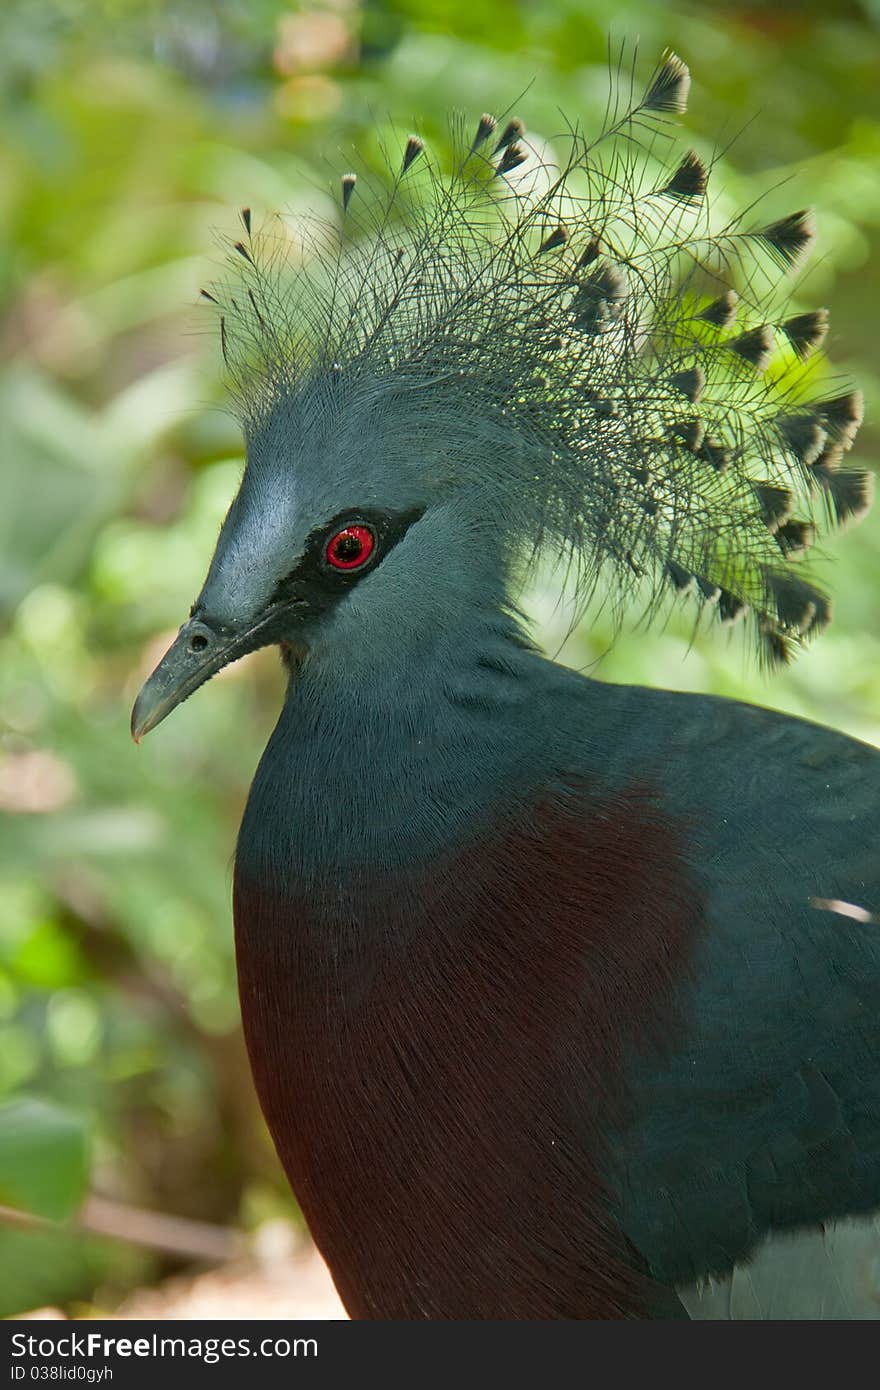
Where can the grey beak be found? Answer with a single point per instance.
(197, 653)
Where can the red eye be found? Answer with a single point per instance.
(351, 548)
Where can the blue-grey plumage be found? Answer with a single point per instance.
(559, 996)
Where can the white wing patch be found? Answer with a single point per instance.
(844, 909)
(830, 1274)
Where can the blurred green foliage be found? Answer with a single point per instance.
(130, 132)
(43, 1158)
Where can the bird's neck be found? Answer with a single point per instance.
(368, 770)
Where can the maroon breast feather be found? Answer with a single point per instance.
(441, 1055)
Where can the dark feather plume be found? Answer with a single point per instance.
(689, 382)
(600, 299)
(828, 459)
(776, 503)
(256, 308)
(590, 253)
(722, 311)
(789, 239)
(513, 131)
(806, 332)
(779, 645)
(681, 578)
(715, 453)
(669, 90)
(513, 156)
(414, 148)
(842, 416)
(803, 435)
(800, 605)
(485, 127)
(691, 433)
(795, 537)
(558, 237)
(755, 346)
(689, 182)
(730, 607)
(851, 493)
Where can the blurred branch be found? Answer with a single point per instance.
(173, 1235)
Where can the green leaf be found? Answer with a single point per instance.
(44, 1158)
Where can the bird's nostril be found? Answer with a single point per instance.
(198, 642)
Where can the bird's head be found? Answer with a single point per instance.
(349, 538)
(515, 358)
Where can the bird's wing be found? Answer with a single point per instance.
(764, 1116)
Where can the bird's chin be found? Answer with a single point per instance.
(292, 654)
